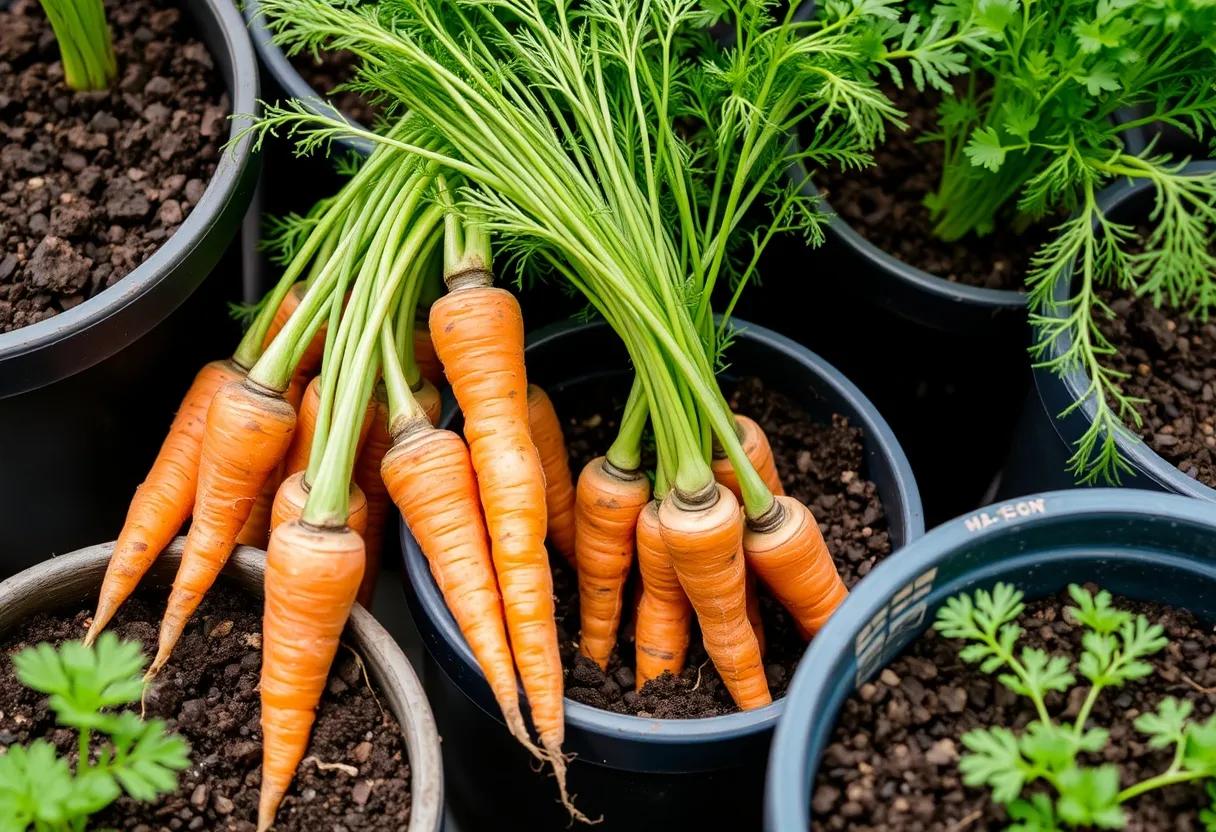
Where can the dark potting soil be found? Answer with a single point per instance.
(885, 204)
(92, 183)
(354, 776)
(327, 70)
(819, 464)
(1170, 359)
(893, 758)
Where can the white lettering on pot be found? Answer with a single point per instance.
(883, 635)
(1005, 513)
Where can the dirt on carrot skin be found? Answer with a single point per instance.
(885, 204)
(818, 463)
(92, 183)
(1170, 361)
(893, 758)
(355, 775)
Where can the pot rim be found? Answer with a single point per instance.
(223, 190)
(790, 769)
(1076, 381)
(293, 82)
(79, 573)
(728, 726)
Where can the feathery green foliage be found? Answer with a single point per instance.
(84, 42)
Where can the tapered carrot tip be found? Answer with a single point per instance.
(557, 759)
(793, 561)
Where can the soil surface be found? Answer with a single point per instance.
(1170, 359)
(327, 70)
(885, 204)
(893, 759)
(819, 464)
(354, 775)
(92, 183)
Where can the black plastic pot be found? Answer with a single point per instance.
(638, 773)
(1152, 547)
(85, 396)
(1044, 442)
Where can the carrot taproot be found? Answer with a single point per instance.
(312, 575)
(247, 434)
(429, 475)
(164, 500)
(425, 357)
(664, 614)
(478, 334)
(704, 537)
(607, 504)
(367, 478)
(559, 484)
(293, 494)
(790, 556)
(759, 451)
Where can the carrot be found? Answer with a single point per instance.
(311, 359)
(256, 531)
(705, 540)
(789, 555)
(664, 614)
(425, 357)
(312, 575)
(367, 477)
(559, 485)
(753, 612)
(479, 336)
(607, 506)
(430, 477)
(164, 500)
(756, 446)
(306, 427)
(429, 400)
(292, 495)
(248, 431)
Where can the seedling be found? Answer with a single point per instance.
(84, 42)
(1114, 648)
(39, 788)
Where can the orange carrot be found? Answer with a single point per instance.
(425, 357)
(559, 485)
(430, 477)
(427, 396)
(792, 559)
(753, 612)
(256, 531)
(607, 506)
(311, 359)
(293, 494)
(367, 477)
(664, 614)
(306, 427)
(705, 540)
(312, 575)
(165, 498)
(478, 334)
(248, 431)
(756, 446)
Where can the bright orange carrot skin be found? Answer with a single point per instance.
(428, 398)
(367, 478)
(165, 498)
(794, 562)
(559, 485)
(756, 446)
(425, 357)
(312, 576)
(430, 478)
(606, 510)
(753, 613)
(306, 428)
(248, 431)
(293, 495)
(706, 548)
(664, 614)
(479, 336)
(256, 531)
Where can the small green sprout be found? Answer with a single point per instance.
(38, 788)
(1114, 648)
(84, 42)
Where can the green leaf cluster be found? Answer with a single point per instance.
(84, 42)
(38, 788)
(1049, 752)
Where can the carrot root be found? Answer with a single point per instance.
(664, 613)
(546, 431)
(759, 453)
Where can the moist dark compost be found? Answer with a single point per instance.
(819, 464)
(1170, 362)
(893, 759)
(355, 775)
(92, 183)
(885, 204)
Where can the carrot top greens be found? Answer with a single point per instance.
(84, 42)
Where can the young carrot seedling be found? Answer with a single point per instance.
(84, 42)
(1114, 648)
(39, 788)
